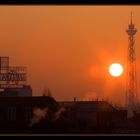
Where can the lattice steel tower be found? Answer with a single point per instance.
(131, 93)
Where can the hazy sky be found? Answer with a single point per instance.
(69, 48)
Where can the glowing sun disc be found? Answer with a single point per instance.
(115, 69)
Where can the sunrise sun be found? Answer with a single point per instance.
(115, 69)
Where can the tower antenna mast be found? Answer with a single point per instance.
(132, 100)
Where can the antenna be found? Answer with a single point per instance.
(132, 100)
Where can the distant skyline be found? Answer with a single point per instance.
(69, 49)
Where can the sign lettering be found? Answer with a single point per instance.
(12, 76)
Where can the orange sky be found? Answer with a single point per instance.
(69, 48)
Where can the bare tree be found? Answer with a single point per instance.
(46, 92)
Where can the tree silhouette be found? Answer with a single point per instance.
(46, 92)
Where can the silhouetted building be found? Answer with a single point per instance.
(95, 115)
(24, 91)
(42, 114)
(16, 113)
(13, 80)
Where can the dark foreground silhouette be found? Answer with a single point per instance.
(43, 115)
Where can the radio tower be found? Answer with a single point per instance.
(131, 93)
